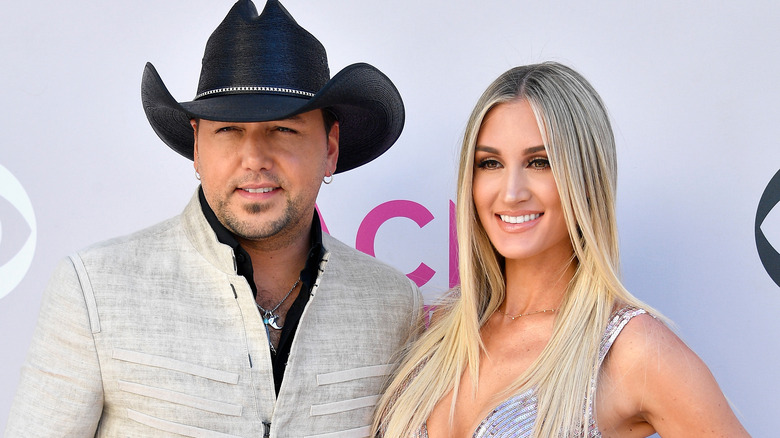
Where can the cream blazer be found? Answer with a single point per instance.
(155, 335)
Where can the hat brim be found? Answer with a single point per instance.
(366, 103)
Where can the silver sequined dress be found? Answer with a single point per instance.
(515, 417)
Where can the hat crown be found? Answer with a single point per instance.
(271, 51)
(267, 67)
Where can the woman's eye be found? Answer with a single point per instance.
(539, 163)
(489, 163)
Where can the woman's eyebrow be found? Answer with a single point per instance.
(488, 149)
(534, 149)
(492, 150)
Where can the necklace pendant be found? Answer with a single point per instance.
(272, 320)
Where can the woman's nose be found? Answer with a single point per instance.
(516, 187)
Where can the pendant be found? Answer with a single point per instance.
(271, 320)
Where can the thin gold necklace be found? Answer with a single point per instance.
(526, 314)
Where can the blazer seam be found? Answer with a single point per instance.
(87, 292)
(92, 312)
(361, 432)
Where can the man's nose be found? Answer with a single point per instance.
(256, 153)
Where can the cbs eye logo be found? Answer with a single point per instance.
(769, 256)
(18, 232)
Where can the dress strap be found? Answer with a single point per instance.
(614, 327)
(616, 323)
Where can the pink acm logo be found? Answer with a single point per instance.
(369, 227)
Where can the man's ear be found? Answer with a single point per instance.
(333, 148)
(194, 124)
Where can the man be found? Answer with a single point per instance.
(240, 317)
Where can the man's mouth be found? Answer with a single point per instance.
(260, 190)
(519, 219)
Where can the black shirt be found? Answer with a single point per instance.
(244, 268)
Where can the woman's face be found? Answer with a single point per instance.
(514, 191)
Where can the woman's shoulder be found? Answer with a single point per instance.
(435, 312)
(647, 348)
(642, 334)
(652, 376)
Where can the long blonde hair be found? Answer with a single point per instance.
(581, 149)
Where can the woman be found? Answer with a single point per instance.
(528, 345)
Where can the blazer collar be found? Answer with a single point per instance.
(203, 238)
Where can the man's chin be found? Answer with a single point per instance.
(255, 208)
(256, 227)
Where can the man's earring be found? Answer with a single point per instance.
(327, 179)
(197, 175)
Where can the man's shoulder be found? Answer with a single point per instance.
(350, 258)
(157, 234)
(341, 250)
(371, 282)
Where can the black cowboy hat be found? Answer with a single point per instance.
(267, 67)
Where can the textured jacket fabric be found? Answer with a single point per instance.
(154, 334)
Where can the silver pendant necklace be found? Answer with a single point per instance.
(270, 318)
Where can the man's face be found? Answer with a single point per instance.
(262, 178)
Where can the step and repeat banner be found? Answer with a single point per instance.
(691, 88)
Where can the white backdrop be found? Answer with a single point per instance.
(691, 89)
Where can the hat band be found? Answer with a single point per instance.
(234, 90)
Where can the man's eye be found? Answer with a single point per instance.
(226, 129)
